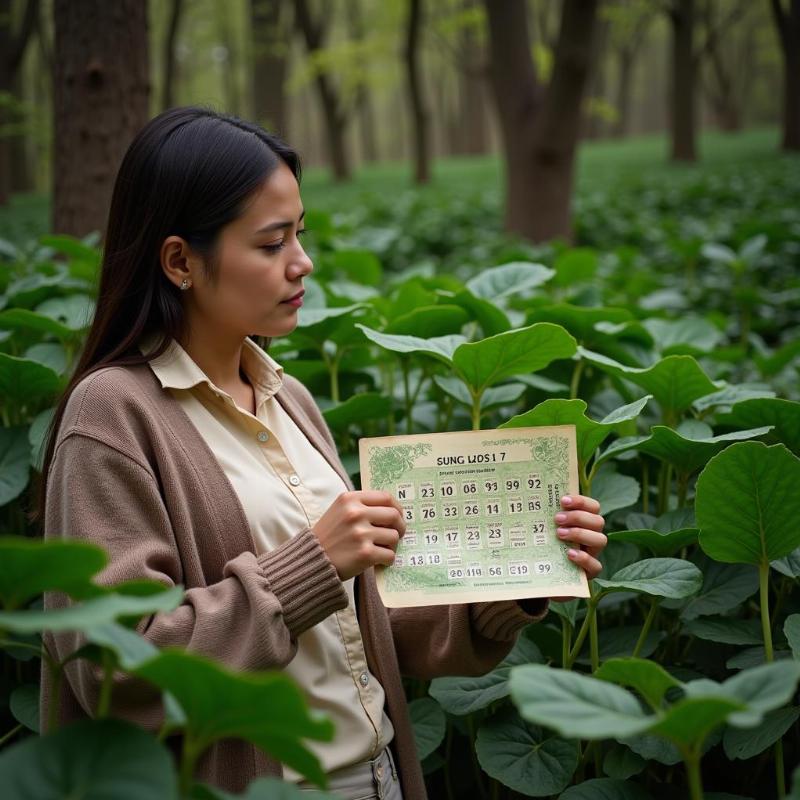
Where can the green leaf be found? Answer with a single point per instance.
(614, 491)
(50, 354)
(783, 415)
(691, 720)
(29, 567)
(361, 266)
(462, 695)
(429, 321)
(684, 336)
(688, 454)
(723, 400)
(491, 319)
(220, 704)
(20, 319)
(89, 760)
(646, 677)
(744, 743)
(357, 409)
(589, 434)
(36, 433)
(621, 762)
(605, 789)
(580, 321)
(725, 630)
(791, 629)
(15, 459)
(440, 347)
(789, 565)
(23, 381)
(429, 723)
(675, 381)
(490, 361)
(747, 503)
(74, 312)
(576, 265)
(725, 586)
(24, 705)
(660, 543)
(319, 324)
(97, 611)
(659, 577)
(523, 757)
(575, 705)
(508, 279)
(129, 648)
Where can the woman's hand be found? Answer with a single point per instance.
(580, 524)
(360, 530)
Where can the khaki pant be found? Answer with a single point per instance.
(368, 780)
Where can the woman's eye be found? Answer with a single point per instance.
(278, 246)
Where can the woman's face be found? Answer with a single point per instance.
(260, 265)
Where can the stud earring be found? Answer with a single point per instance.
(185, 284)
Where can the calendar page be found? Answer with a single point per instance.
(479, 509)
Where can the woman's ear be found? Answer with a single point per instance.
(178, 261)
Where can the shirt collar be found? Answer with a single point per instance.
(175, 369)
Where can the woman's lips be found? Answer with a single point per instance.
(295, 301)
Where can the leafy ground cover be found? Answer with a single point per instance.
(668, 337)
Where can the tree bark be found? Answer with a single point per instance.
(419, 114)
(334, 115)
(268, 21)
(170, 67)
(683, 117)
(12, 50)
(787, 21)
(101, 92)
(540, 130)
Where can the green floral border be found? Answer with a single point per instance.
(387, 465)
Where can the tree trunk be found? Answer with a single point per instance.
(270, 64)
(625, 75)
(419, 113)
(540, 134)
(335, 118)
(101, 92)
(683, 121)
(594, 123)
(787, 21)
(366, 116)
(170, 67)
(12, 49)
(473, 135)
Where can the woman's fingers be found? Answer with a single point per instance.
(579, 502)
(588, 562)
(592, 541)
(580, 519)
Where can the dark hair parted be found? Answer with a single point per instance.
(189, 172)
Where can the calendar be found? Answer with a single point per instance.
(479, 508)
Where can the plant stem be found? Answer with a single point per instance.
(594, 640)
(104, 701)
(576, 379)
(591, 606)
(56, 673)
(333, 368)
(407, 395)
(692, 760)
(566, 641)
(11, 734)
(683, 488)
(645, 486)
(188, 757)
(476, 410)
(648, 621)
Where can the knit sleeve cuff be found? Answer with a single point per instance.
(304, 580)
(503, 619)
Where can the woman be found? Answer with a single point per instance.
(184, 450)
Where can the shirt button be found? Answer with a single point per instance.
(262, 436)
(363, 679)
(294, 480)
(379, 772)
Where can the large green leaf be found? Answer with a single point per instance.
(357, 409)
(15, 460)
(429, 321)
(440, 347)
(675, 381)
(97, 611)
(687, 455)
(524, 757)
(24, 705)
(791, 629)
(23, 381)
(580, 321)
(614, 491)
(788, 565)
(589, 433)
(491, 319)
(51, 354)
(575, 705)
(20, 319)
(429, 723)
(605, 789)
(621, 762)
(747, 503)
(725, 586)
(505, 394)
(463, 695)
(685, 336)
(508, 279)
(219, 704)
(726, 630)
(744, 743)
(659, 577)
(29, 567)
(89, 760)
(492, 360)
(783, 415)
(648, 678)
(74, 312)
(660, 543)
(692, 719)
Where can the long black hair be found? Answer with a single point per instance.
(189, 172)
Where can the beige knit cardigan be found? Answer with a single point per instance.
(132, 474)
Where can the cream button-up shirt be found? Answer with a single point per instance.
(285, 485)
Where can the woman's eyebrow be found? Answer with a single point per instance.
(274, 226)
